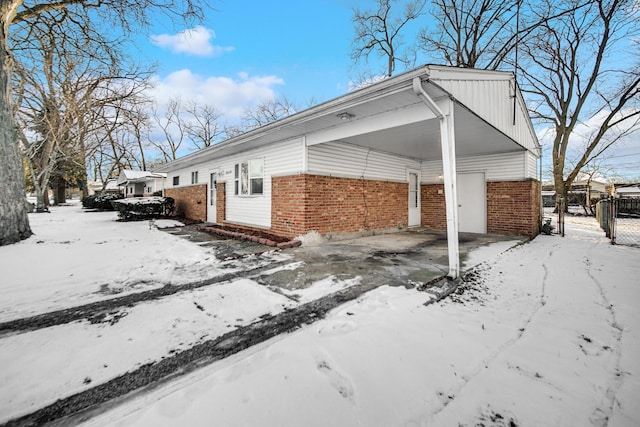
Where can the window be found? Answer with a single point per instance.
(256, 170)
(194, 177)
(176, 180)
(413, 190)
(248, 177)
(236, 179)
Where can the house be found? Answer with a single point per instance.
(94, 187)
(141, 183)
(631, 191)
(441, 147)
(581, 189)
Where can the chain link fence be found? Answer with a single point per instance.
(620, 219)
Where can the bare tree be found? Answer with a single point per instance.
(267, 112)
(203, 125)
(124, 13)
(380, 31)
(121, 133)
(569, 72)
(171, 124)
(471, 33)
(69, 86)
(485, 33)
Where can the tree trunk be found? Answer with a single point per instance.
(60, 190)
(14, 221)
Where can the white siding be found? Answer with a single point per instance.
(532, 166)
(279, 159)
(493, 101)
(339, 159)
(498, 167)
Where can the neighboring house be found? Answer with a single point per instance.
(373, 159)
(580, 190)
(141, 183)
(96, 187)
(627, 190)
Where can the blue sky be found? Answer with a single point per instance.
(252, 48)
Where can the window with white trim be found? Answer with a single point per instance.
(249, 178)
(194, 177)
(176, 180)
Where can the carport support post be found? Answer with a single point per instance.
(447, 141)
(448, 146)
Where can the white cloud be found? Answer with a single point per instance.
(194, 41)
(230, 96)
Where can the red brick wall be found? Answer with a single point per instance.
(191, 201)
(301, 203)
(432, 206)
(221, 202)
(288, 205)
(513, 207)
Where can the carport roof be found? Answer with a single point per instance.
(490, 117)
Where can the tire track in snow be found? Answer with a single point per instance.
(104, 310)
(71, 410)
(599, 416)
(484, 364)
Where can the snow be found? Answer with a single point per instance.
(77, 257)
(548, 334)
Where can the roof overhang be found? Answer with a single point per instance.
(387, 116)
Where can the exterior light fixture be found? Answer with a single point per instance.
(345, 116)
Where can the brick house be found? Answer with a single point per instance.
(431, 147)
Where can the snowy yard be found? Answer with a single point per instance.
(544, 334)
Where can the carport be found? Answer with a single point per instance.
(458, 142)
(440, 116)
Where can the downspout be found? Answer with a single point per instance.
(447, 143)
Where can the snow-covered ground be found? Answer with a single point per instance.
(77, 257)
(548, 334)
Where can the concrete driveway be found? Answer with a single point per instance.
(404, 258)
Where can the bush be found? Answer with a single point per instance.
(143, 207)
(100, 201)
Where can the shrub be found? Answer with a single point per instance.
(143, 207)
(100, 201)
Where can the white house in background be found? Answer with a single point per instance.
(627, 190)
(440, 147)
(141, 183)
(94, 187)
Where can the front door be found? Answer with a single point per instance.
(414, 197)
(211, 196)
(472, 203)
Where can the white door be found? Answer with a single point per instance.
(211, 197)
(414, 197)
(472, 203)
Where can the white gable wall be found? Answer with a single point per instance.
(493, 101)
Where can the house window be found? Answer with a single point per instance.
(413, 190)
(236, 179)
(249, 177)
(194, 177)
(176, 180)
